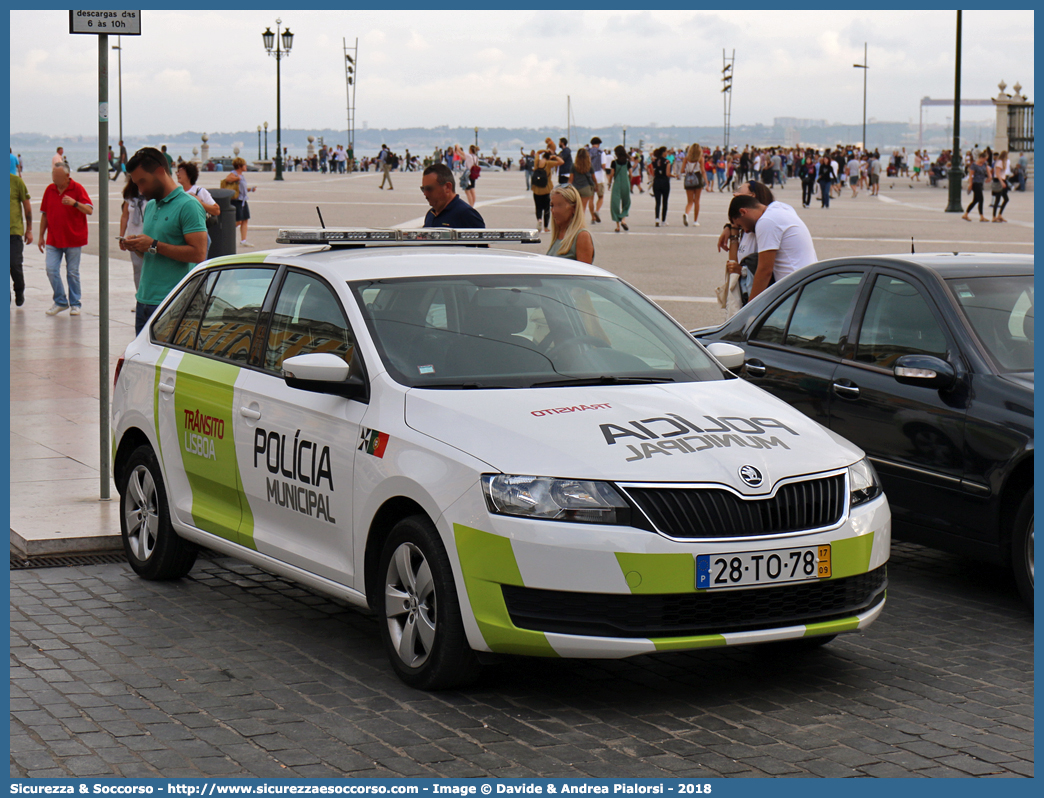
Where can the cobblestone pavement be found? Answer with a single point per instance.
(233, 672)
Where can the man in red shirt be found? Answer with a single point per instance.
(63, 231)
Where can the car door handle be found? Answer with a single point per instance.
(755, 368)
(246, 412)
(846, 389)
(166, 387)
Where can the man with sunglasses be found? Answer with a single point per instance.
(447, 209)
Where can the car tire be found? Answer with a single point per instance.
(154, 550)
(418, 610)
(1022, 549)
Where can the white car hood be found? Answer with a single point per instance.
(685, 432)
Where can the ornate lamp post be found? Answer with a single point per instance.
(266, 141)
(286, 38)
(259, 142)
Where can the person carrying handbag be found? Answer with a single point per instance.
(693, 181)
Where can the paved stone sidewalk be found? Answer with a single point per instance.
(233, 672)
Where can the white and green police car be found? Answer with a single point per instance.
(494, 451)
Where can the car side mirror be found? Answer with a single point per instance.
(924, 370)
(729, 355)
(323, 372)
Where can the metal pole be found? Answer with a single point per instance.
(103, 260)
(866, 69)
(119, 63)
(279, 112)
(954, 204)
(266, 141)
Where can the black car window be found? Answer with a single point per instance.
(822, 308)
(166, 323)
(774, 326)
(231, 316)
(189, 326)
(308, 318)
(898, 321)
(1000, 310)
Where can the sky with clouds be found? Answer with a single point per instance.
(208, 70)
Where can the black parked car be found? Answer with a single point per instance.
(926, 363)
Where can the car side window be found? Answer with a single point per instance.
(822, 308)
(774, 326)
(308, 318)
(189, 326)
(166, 323)
(229, 322)
(898, 321)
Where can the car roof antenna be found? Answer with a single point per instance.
(911, 242)
(321, 222)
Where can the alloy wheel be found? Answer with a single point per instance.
(409, 605)
(141, 513)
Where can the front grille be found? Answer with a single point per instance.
(684, 614)
(717, 513)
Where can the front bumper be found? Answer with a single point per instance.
(548, 589)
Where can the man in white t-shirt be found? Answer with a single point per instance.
(784, 243)
(853, 174)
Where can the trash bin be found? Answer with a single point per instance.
(223, 231)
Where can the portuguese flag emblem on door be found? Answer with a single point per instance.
(373, 442)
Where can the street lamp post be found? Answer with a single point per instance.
(266, 141)
(625, 137)
(287, 40)
(119, 67)
(954, 204)
(259, 142)
(865, 67)
(476, 138)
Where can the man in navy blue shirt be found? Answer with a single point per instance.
(447, 209)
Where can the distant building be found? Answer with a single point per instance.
(793, 121)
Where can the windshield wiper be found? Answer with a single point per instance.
(604, 379)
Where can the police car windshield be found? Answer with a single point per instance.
(524, 331)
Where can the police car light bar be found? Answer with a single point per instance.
(345, 236)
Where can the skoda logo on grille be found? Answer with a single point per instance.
(751, 476)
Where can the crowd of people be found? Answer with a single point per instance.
(765, 238)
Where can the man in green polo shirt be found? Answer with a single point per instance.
(174, 236)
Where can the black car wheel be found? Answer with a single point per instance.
(1022, 549)
(420, 615)
(153, 548)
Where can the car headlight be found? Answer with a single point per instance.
(862, 482)
(576, 500)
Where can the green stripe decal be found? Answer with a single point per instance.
(487, 562)
(203, 420)
(658, 573)
(687, 643)
(851, 556)
(831, 627)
